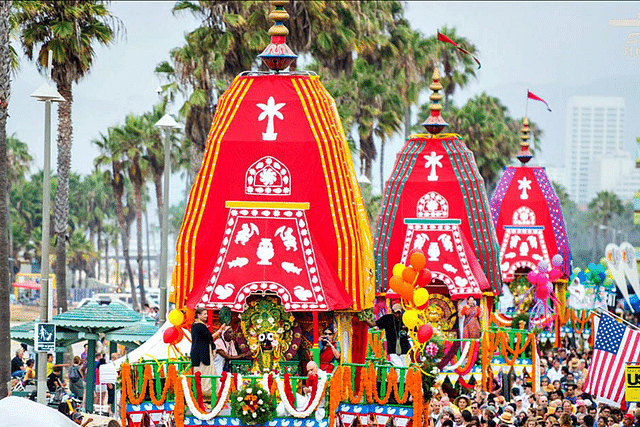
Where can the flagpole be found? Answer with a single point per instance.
(526, 105)
(599, 312)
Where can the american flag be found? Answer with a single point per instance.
(616, 344)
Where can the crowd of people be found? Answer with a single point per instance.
(74, 383)
(560, 401)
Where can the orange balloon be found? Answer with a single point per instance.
(406, 291)
(417, 260)
(189, 317)
(409, 275)
(395, 284)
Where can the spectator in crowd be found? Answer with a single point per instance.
(30, 372)
(54, 380)
(76, 382)
(17, 364)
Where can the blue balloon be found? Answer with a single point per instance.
(602, 276)
(582, 276)
(591, 266)
(635, 303)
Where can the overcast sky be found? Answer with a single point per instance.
(553, 49)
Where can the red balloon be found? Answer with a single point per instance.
(424, 278)
(409, 274)
(417, 260)
(170, 335)
(425, 333)
(555, 274)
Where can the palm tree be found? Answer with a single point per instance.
(5, 286)
(18, 161)
(68, 30)
(458, 67)
(112, 156)
(80, 255)
(130, 140)
(98, 207)
(602, 208)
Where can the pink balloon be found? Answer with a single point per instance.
(532, 275)
(542, 292)
(542, 278)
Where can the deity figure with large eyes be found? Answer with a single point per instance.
(270, 333)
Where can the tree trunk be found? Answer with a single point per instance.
(61, 209)
(595, 242)
(382, 167)
(127, 261)
(5, 290)
(115, 247)
(197, 153)
(407, 121)
(157, 182)
(146, 220)
(99, 250)
(106, 259)
(118, 192)
(367, 154)
(137, 190)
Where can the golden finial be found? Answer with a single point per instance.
(435, 123)
(277, 55)
(524, 155)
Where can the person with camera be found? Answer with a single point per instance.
(329, 350)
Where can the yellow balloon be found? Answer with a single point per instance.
(410, 318)
(176, 317)
(398, 269)
(420, 297)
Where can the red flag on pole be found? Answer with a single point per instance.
(531, 95)
(446, 39)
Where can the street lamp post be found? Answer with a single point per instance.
(168, 124)
(614, 232)
(47, 94)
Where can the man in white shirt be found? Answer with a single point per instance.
(225, 351)
(555, 372)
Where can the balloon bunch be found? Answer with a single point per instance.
(409, 283)
(596, 277)
(595, 274)
(180, 319)
(541, 313)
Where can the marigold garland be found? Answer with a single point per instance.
(340, 388)
(336, 393)
(392, 378)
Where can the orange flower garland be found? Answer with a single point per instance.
(392, 378)
(376, 342)
(178, 410)
(128, 393)
(336, 392)
(170, 382)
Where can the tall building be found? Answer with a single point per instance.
(594, 130)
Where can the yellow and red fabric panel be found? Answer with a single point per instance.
(528, 219)
(276, 205)
(435, 184)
